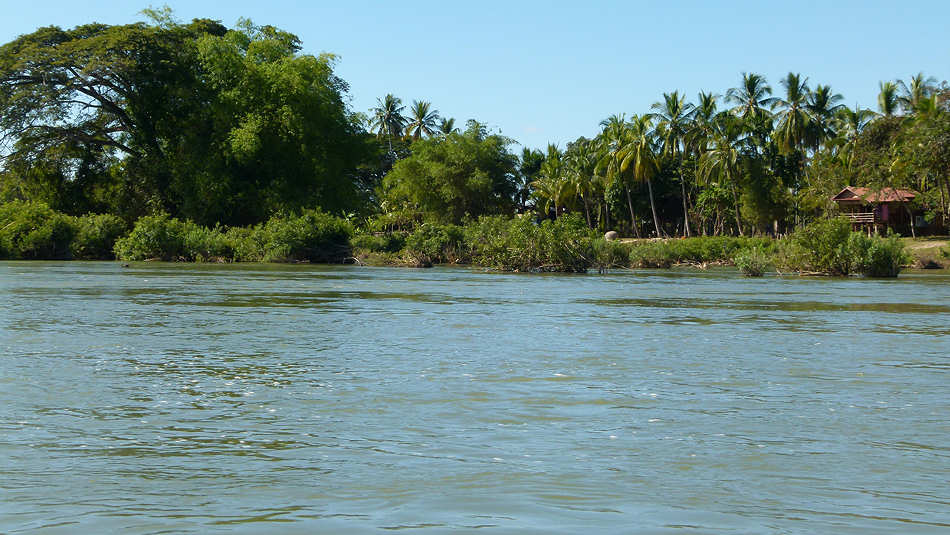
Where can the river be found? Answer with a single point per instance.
(164, 398)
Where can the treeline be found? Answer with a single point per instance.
(226, 128)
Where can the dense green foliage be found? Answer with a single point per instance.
(829, 246)
(312, 236)
(230, 144)
(210, 124)
(34, 231)
(449, 178)
(436, 244)
(753, 261)
(519, 244)
(665, 253)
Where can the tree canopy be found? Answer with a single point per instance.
(212, 124)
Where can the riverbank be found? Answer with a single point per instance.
(32, 231)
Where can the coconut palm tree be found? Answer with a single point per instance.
(423, 120)
(887, 99)
(823, 106)
(724, 158)
(850, 123)
(673, 125)
(793, 118)
(752, 97)
(638, 154)
(916, 92)
(552, 185)
(447, 126)
(388, 118)
(612, 140)
(581, 162)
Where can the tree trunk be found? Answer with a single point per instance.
(685, 211)
(633, 217)
(656, 220)
(586, 210)
(735, 202)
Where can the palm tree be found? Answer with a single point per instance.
(824, 106)
(724, 158)
(614, 137)
(388, 118)
(793, 119)
(422, 120)
(639, 155)
(850, 124)
(528, 169)
(752, 97)
(447, 126)
(887, 99)
(581, 159)
(916, 92)
(551, 185)
(674, 123)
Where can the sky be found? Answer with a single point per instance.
(549, 71)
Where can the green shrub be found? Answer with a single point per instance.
(700, 250)
(431, 243)
(312, 236)
(610, 254)
(825, 246)
(753, 261)
(153, 237)
(384, 242)
(96, 235)
(652, 255)
(884, 257)
(828, 246)
(519, 244)
(34, 231)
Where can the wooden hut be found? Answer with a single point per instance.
(877, 209)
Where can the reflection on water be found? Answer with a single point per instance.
(177, 398)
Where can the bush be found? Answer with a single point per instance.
(431, 243)
(388, 242)
(96, 236)
(34, 231)
(884, 257)
(828, 246)
(665, 253)
(753, 261)
(610, 254)
(825, 246)
(154, 237)
(312, 236)
(565, 244)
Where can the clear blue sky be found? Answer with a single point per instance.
(551, 71)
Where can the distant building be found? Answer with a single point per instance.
(879, 209)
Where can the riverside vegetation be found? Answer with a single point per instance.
(198, 142)
(566, 244)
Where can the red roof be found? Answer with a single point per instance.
(852, 193)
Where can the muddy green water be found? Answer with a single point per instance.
(299, 399)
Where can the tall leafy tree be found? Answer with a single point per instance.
(447, 179)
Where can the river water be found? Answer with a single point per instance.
(166, 398)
